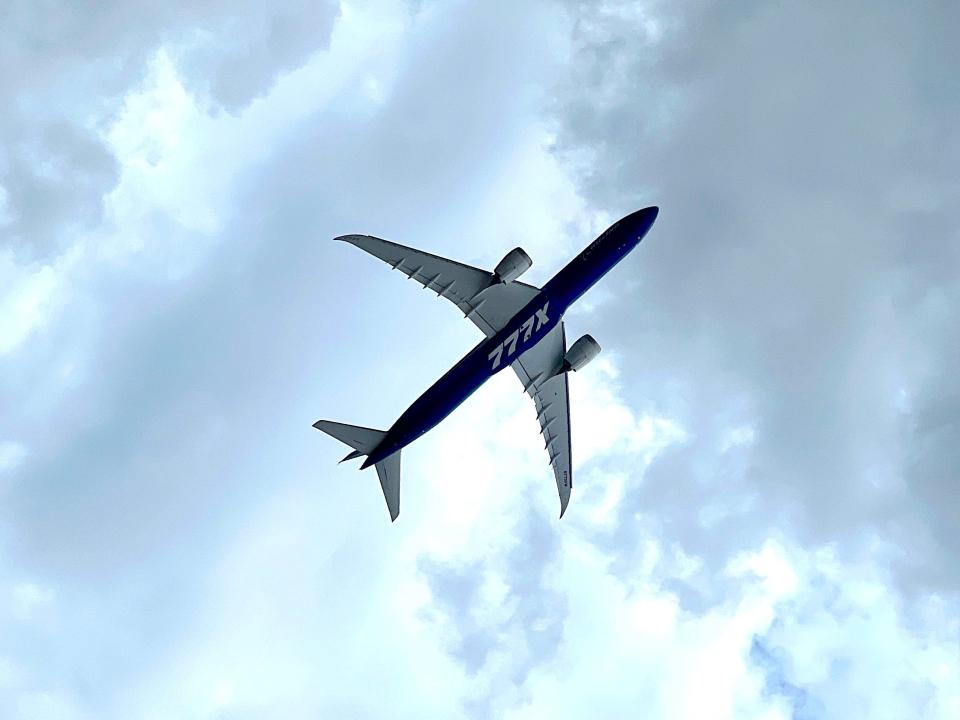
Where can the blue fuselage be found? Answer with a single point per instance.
(531, 323)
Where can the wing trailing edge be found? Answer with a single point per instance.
(479, 294)
(541, 370)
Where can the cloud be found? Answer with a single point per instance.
(791, 284)
(25, 303)
(543, 619)
(181, 402)
(177, 541)
(67, 75)
(87, 191)
(11, 455)
(773, 648)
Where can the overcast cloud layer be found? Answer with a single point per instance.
(764, 522)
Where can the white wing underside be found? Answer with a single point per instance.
(490, 307)
(539, 371)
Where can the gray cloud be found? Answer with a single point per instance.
(803, 157)
(528, 633)
(66, 73)
(248, 46)
(803, 704)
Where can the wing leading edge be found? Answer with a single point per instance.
(487, 303)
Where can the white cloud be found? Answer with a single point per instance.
(795, 637)
(11, 455)
(179, 160)
(25, 301)
(6, 211)
(30, 598)
(606, 424)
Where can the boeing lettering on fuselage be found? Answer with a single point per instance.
(524, 329)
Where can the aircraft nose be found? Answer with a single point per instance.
(642, 220)
(648, 215)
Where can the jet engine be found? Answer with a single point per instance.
(580, 353)
(514, 264)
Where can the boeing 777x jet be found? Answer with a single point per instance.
(524, 329)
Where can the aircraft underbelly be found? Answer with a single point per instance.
(530, 325)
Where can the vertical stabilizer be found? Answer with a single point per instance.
(388, 470)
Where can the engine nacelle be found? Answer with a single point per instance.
(580, 353)
(514, 264)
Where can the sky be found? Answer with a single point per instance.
(764, 522)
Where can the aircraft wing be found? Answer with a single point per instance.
(488, 304)
(538, 369)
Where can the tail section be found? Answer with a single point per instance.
(388, 470)
(364, 441)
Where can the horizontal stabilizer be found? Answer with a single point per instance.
(363, 440)
(352, 456)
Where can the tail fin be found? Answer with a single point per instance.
(388, 470)
(364, 441)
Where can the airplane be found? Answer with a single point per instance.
(524, 329)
